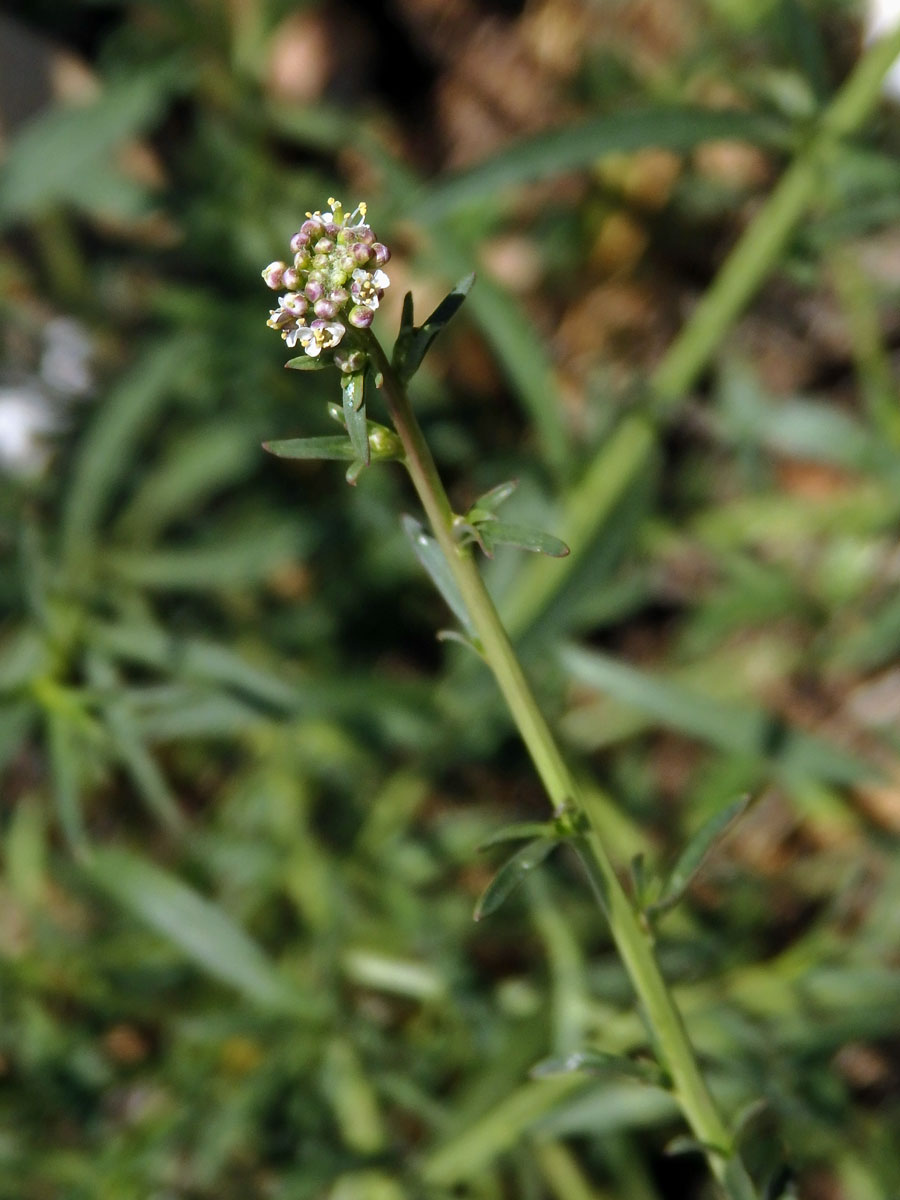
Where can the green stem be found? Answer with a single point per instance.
(632, 940)
(590, 503)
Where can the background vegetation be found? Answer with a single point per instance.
(244, 787)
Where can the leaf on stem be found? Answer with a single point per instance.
(520, 832)
(414, 341)
(312, 448)
(303, 362)
(430, 555)
(491, 500)
(355, 416)
(499, 533)
(695, 854)
(511, 874)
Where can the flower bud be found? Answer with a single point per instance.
(325, 308)
(273, 275)
(295, 303)
(339, 296)
(364, 234)
(361, 254)
(380, 253)
(361, 317)
(323, 246)
(350, 362)
(298, 241)
(314, 291)
(383, 441)
(290, 278)
(308, 229)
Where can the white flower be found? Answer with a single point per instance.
(367, 287)
(320, 335)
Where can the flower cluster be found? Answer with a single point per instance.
(336, 279)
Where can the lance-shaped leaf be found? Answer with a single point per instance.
(598, 1062)
(201, 929)
(303, 362)
(355, 416)
(413, 341)
(314, 447)
(520, 832)
(511, 874)
(484, 507)
(695, 854)
(499, 533)
(430, 555)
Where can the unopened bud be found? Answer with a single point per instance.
(383, 442)
(325, 308)
(361, 317)
(380, 253)
(290, 278)
(273, 275)
(295, 303)
(361, 254)
(314, 291)
(298, 241)
(350, 362)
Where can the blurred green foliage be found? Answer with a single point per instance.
(244, 787)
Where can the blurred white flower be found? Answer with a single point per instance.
(26, 418)
(884, 16)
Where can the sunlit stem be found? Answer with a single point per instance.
(632, 941)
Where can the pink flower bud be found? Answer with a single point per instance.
(295, 303)
(273, 275)
(361, 254)
(361, 317)
(291, 278)
(381, 253)
(314, 291)
(339, 295)
(325, 308)
(323, 245)
(298, 241)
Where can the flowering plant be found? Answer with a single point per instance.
(333, 289)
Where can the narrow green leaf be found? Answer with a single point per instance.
(66, 153)
(199, 927)
(695, 854)
(732, 727)
(499, 533)
(598, 1062)
(129, 746)
(520, 832)
(108, 451)
(407, 320)
(413, 345)
(580, 145)
(303, 362)
(312, 448)
(491, 500)
(511, 874)
(352, 387)
(244, 558)
(65, 771)
(430, 555)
